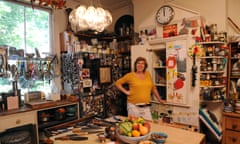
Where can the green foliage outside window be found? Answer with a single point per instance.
(23, 27)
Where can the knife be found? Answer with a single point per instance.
(74, 138)
(84, 132)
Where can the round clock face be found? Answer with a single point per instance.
(165, 14)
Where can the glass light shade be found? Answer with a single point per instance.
(82, 25)
(91, 16)
(108, 18)
(83, 18)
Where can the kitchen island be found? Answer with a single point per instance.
(175, 136)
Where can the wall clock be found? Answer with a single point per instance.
(165, 14)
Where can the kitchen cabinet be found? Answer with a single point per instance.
(16, 120)
(231, 128)
(170, 65)
(213, 71)
(41, 116)
(234, 71)
(47, 117)
(158, 65)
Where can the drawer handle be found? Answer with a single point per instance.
(18, 121)
(234, 126)
(234, 139)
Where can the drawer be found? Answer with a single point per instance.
(232, 137)
(15, 120)
(233, 123)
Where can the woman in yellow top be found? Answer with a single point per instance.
(141, 87)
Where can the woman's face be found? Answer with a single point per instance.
(140, 66)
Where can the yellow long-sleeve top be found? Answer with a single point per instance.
(140, 89)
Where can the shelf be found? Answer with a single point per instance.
(220, 86)
(213, 74)
(209, 72)
(235, 77)
(211, 101)
(160, 84)
(211, 43)
(55, 122)
(212, 57)
(159, 67)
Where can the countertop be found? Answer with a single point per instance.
(175, 136)
(36, 106)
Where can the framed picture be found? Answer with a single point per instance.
(3, 60)
(170, 30)
(105, 75)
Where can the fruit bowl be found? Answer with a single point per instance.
(131, 140)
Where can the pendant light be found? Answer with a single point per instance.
(92, 17)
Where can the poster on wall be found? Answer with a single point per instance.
(177, 72)
(170, 30)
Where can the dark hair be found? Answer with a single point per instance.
(140, 59)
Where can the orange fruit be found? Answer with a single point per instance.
(135, 133)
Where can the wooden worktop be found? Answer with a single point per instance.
(175, 136)
(35, 106)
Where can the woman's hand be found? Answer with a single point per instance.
(162, 101)
(127, 93)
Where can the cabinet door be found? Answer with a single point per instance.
(232, 137)
(140, 50)
(15, 120)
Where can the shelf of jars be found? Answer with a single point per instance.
(213, 71)
(234, 71)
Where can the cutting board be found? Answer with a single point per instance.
(47, 103)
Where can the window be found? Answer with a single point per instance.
(25, 28)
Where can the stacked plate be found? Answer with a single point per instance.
(228, 108)
(237, 107)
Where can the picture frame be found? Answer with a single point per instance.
(105, 75)
(3, 60)
(170, 30)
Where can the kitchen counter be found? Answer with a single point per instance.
(175, 136)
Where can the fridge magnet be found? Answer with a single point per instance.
(171, 62)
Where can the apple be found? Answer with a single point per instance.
(131, 118)
(147, 124)
(135, 126)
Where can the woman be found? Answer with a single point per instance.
(141, 86)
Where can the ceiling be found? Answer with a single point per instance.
(113, 4)
(107, 4)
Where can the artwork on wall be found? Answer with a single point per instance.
(170, 30)
(105, 75)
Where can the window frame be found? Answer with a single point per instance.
(51, 22)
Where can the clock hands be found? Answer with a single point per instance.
(164, 11)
